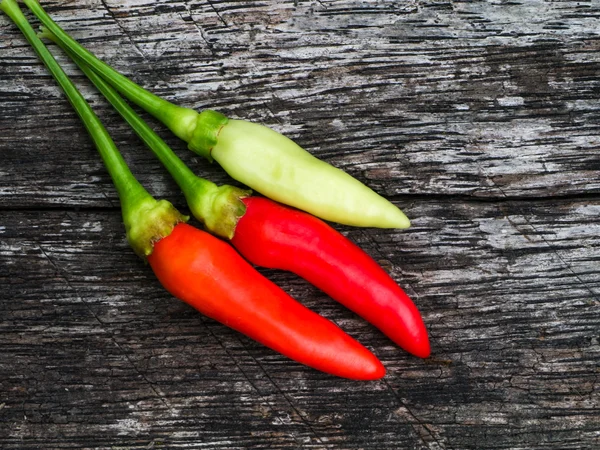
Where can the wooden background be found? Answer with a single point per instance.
(481, 120)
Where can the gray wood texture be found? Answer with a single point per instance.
(481, 120)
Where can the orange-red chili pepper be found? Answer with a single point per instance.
(210, 276)
(272, 235)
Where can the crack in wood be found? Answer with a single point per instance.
(130, 39)
(151, 385)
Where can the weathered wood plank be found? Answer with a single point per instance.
(95, 353)
(488, 99)
(480, 119)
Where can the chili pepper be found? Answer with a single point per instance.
(206, 272)
(271, 235)
(253, 154)
(197, 267)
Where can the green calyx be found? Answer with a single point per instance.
(147, 221)
(206, 132)
(218, 207)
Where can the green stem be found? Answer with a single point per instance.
(146, 220)
(181, 173)
(182, 121)
(126, 184)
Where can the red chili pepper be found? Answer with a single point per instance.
(208, 274)
(274, 236)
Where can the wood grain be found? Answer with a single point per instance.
(479, 119)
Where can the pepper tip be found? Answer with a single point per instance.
(420, 349)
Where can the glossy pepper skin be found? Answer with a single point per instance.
(274, 236)
(253, 154)
(210, 276)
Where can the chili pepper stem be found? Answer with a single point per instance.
(218, 207)
(199, 130)
(181, 121)
(146, 219)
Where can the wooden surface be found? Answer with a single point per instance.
(481, 120)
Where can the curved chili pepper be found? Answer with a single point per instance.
(203, 270)
(271, 235)
(253, 154)
(280, 169)
(210, 276)
(274, 236)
